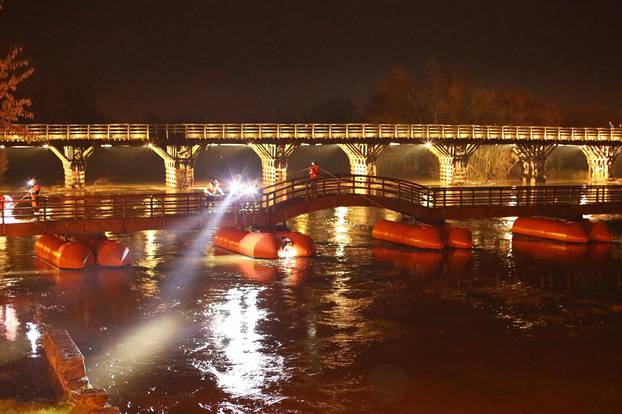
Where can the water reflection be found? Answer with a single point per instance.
(311, 335)
(237, 356)
(342, 237)
(9, 323)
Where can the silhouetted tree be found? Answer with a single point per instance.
(13, 71)
(441, 96)
(395, 99)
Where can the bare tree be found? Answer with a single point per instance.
(395, 99)
(440, 96)
(13, 71)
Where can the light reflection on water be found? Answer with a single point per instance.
(364, 327)
(233, 351)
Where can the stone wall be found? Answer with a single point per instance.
(67, 364)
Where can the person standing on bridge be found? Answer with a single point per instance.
(314, 173)
(35, 193)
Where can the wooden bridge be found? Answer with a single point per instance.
(249, 133)
(279, 202)
(179, 145)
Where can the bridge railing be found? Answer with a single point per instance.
(43, 133)
(437, 197)
(375, 189)
(99, 207)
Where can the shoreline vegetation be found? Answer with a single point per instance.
(21, 407)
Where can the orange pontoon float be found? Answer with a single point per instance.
(459, 237)
(265, 244)
(560, 230)
(109, 253)
(63, 254)
(422, 236)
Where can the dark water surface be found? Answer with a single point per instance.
(516, 326)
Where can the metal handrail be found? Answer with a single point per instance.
(374, 189)
(274, 132)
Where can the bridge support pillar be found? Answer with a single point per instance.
(533, 160)
(453, 161)
(178, 164)
(74, 164)
(363, 160)
(273, 161)
(601, 160)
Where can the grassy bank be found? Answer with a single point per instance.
(15, 407)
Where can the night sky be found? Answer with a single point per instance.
(176, 61)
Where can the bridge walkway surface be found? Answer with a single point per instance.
(281, 201)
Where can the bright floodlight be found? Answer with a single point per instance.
(250, 189)
(31, 182)
(428, 144)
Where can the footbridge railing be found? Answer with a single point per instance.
(378, 188)
(33, 134)
(374, 191)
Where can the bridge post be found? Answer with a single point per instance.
(453, 161)
(363, 161)
(178, 164)
(533, 160)
(74, 164)
(273, 161)
(601, 160)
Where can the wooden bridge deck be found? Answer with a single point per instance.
(277, 203)
(213, 133)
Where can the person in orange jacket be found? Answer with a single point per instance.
(314, 173)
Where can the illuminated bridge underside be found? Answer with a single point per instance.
(84, 134)
(188, 211)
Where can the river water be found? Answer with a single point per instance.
(516, 326)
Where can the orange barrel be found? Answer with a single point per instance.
(260, 245)
(420, 262)
(599, 231)
(64, 255)
(257, 245)
(229, 238)
(111, 253)
(303, 244)
(566, 231)
(421, 235)
(459, 237)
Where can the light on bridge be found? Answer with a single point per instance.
(394, 144)
(44, 146)
(428, 144)
(106, 145)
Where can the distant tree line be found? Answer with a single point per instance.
(441, 96)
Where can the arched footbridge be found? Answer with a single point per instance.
(279, 202)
